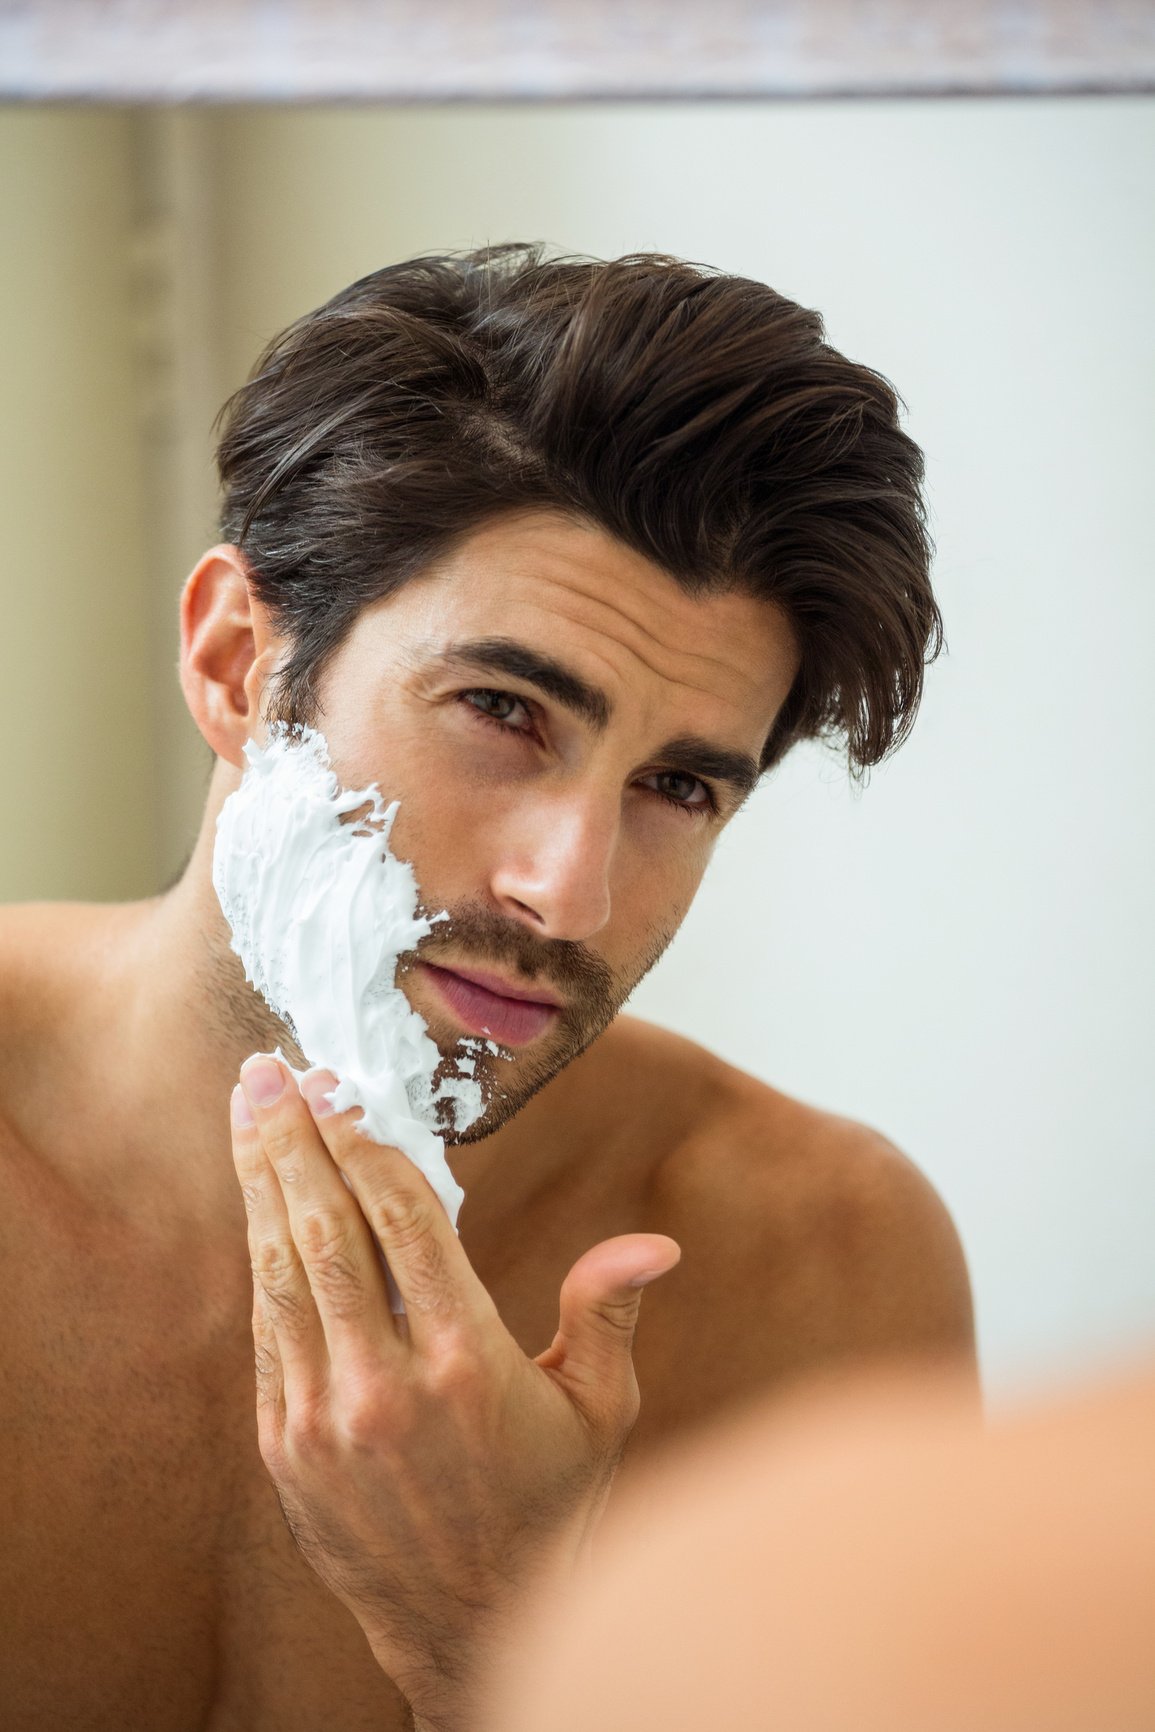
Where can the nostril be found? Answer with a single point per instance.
(526, 909)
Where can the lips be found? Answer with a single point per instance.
(498, 1015)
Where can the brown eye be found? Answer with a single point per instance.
(681, 790)
(499, 707)
(679, 786)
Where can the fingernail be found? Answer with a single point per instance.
(239, 1108)
(650, 1275)
(314, 1088)
(263, 1081)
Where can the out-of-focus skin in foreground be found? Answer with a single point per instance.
(867, 1556)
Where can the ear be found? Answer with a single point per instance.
(227, 651)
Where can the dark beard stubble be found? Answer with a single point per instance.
(592, 995)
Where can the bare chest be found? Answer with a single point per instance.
(147, 1576)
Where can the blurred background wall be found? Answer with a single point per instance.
(960, 956)
(75, 667)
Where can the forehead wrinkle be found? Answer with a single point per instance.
(639, 627)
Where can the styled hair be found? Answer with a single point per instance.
(700, 418)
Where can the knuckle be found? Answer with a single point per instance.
(273, 1264)
(249, 1161)
(428, 1288)
(452, 1372)
(281, 1139)
(321, 1233)
(289, 1168)
(402, 1219)
(362, 1425)
(275, 1268)
(405, 1227)
(371, 1417)
(267, 1370)
(406, 1220)
(619, 1315)
(326, 1247)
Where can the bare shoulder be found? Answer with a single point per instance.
(809, 1239)
(35, 1002)
(38, 945)
(54, 980)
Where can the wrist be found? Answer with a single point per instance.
(440, 1695)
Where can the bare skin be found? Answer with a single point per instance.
(148, 1577)
(866, 1556)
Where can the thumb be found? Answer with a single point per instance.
(591, 1355)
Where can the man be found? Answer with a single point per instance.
(562, 556)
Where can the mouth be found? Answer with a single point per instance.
(487, 1006)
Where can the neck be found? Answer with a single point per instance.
(189, 1006)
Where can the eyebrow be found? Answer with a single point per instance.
(690, 752)
(504, 655)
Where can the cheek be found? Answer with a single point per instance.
(666, 848)
(410, 762)
(448, 823)
(655, 881)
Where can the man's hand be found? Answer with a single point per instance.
(425, 1466)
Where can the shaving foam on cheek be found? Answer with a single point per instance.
(320, 912)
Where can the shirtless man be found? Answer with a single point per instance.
(562, 556)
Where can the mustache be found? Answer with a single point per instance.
(565, 963)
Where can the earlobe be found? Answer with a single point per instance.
(226, 645)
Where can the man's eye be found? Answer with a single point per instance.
(682, 790)
(499, 707)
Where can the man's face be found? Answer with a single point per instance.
(567, 733)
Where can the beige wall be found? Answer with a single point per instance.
(75, 677)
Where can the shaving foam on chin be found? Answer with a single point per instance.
(320, 911)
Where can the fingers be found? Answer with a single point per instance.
(312, 1254)
(424, 1254)
(279, 1281)
(592, 1353)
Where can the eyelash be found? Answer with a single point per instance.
(707, 809)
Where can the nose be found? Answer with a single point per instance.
(554, 872)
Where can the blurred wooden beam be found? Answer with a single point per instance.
(549, 50)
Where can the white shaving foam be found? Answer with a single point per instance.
(320, 912)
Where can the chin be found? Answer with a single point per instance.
(500, 1108)
(533, 1073)
(495, 1117)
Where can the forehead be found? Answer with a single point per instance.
(571, 589)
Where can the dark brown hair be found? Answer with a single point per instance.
(700, 418)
